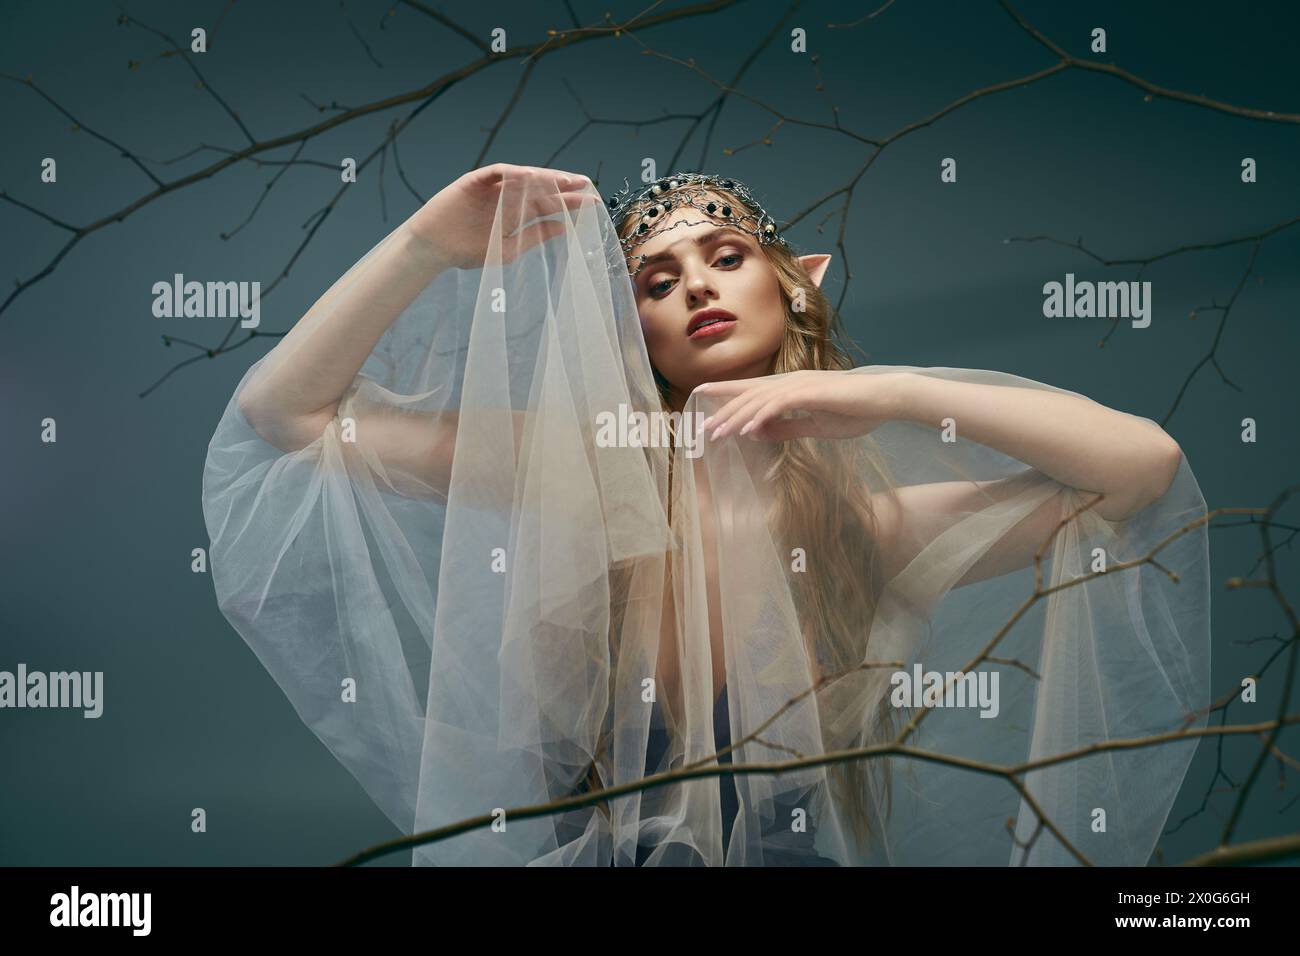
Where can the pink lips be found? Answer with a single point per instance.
(720, 321)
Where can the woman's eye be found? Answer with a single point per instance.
(657, 287)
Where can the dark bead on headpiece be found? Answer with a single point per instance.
(692, 189)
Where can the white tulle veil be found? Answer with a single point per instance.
(494, 644)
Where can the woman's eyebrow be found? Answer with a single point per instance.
(708, 237)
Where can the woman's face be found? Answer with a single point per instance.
(707, 265)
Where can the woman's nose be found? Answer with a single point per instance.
(699, 286)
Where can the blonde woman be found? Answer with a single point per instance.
(481, 604)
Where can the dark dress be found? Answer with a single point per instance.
(781, 847)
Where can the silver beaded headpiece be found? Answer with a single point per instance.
(652, 203)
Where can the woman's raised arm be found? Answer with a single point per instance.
(304, 377)
(296, 393)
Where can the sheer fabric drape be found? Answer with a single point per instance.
(486, 644)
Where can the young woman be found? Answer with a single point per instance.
(479, 605)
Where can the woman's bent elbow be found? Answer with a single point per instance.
(1171, 460)
(1163, 471)
(284, 432)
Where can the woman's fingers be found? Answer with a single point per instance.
(548, 198)
(763, 412)
(558, 179)
(545, 193)
(730, 393)
(575, 181)
(496, 172)
(532, 182)
(563, 179)
(546, 229)
(549, 204)
(739, 411)
(523, 240)
(728, 387)
(763, 407)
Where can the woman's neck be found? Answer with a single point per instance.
(676, 399)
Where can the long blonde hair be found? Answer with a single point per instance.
(823, 505)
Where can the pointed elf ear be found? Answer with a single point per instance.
(816, 264)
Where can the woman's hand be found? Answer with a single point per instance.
(826, 403)
(456, 224)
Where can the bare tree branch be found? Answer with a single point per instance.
(709, 766)
(1151, 89)
(1210, 357)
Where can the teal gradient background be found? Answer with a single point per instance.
(98, 529)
